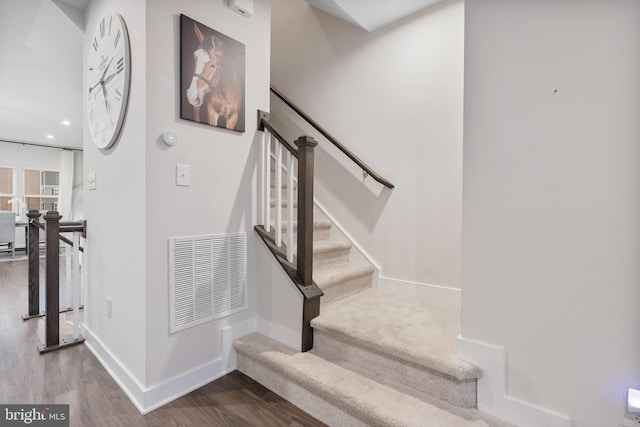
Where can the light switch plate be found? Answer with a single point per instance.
(183, 175)
(91, 180)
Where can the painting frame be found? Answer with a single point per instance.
(212, 76)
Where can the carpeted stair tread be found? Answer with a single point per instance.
(317, 224)
(336, 274)
(284, 202)
(366, 400)
(329, 245)
(404, 326)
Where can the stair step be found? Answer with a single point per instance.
(284, 202)
(342, 280)
(321, 228)
(404, 341)
(334, 395)
(283, 184)
(329, 252)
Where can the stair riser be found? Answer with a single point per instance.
(284, 212)
(283, 185)
(345, 289)
(318, 234)
(327, 258)
(299, 396)
(284, 203)
(420, 382)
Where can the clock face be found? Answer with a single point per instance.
(108, 80)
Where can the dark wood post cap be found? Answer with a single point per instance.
(306, 141)
(33, 214)
(52, 216)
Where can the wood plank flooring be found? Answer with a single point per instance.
(74, 376)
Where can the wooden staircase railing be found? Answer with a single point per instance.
(53, 227)
(300, 272)
(366, 169)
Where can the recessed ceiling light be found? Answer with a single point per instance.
(49, 136)
(66, 122)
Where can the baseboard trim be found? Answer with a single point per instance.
(493, 395)
(433, 291)
(146, 399)
(279, 333)
(131, 386)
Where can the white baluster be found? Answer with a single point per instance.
(76, 281)
(290, 207)
(261, 173)
(67, 279)
(278, 194)
(267, 180)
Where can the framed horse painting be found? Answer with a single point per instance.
(212, 73)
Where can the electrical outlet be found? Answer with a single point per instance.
(109, 308)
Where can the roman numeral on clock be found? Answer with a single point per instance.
(118, 95)
(120, 65)
(102, 28)
(117, 39)
(95, 44)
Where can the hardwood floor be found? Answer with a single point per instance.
(74, 376)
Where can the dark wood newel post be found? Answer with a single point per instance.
(311, 308)
(52, 278)
(305, 144)
(33, 248)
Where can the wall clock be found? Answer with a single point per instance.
(108, 80)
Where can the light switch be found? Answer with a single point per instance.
(183, 175)
(91, 180)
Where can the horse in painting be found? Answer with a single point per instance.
(216, 82)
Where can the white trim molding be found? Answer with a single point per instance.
(493, 395)
(146, 399)
(443, 293)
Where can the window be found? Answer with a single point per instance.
(6, 189)
(41, 189)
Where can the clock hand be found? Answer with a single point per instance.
(104, 93)
(102, 81)
(104, 73)
(94, 86)
(108, 79)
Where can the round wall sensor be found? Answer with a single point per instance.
(170, 138)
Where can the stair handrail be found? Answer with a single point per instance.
(66, 227)
(263, 122)
(301, 273)
(366, 169)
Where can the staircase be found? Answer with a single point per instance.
(379, 358)
(374, 357)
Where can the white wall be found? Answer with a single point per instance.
(394, 97)
(551, 222)
(221, 198)
(116, 211)
(137, 206)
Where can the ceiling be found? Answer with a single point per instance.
(371, 14)
(41, 61)
(41, 71)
